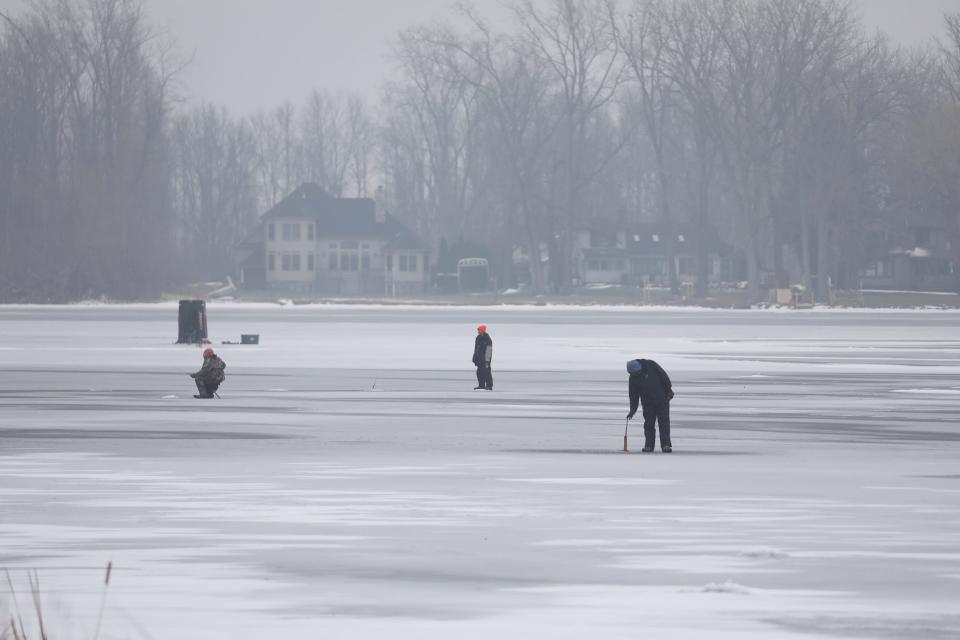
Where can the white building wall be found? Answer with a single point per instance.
(290, 257)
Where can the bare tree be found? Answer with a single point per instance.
(694, 62)
(434, 119)
(950, 49)
(926, 163)
(576, 42)
(91, 216)
(361, 142)
(277, 153)
(778, 56)
(513, 93)
(214, 188)
(646, 47)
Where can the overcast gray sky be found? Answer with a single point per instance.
(255, 54)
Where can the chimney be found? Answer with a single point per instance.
(380, 205)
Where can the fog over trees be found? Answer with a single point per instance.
(785, 124)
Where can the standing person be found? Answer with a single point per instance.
(482, 357)
(651, 386)
(210, 376)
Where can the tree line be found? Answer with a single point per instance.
(785, 124)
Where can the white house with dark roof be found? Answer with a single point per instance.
(312, 241)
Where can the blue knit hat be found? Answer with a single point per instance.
(634, 366)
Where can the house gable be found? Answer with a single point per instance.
(315, 241)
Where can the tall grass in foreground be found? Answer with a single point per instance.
(16, 630)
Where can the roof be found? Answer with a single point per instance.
(343, 216)
(644, 240)
(652, 238)
(355, 216)
(306, 202)
(399, 236)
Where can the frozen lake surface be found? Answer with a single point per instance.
(350, 484)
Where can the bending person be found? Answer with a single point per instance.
(650, 386)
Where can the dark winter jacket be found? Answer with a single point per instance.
(212, 370)
(651, 386)
(483, 350)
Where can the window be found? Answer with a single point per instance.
(344, 262)
(310, 233)
(605, 265)
(334, 245)
(349, 244)
(403, 263)
(389, 263)
(651, 266)
(354, 262)
(311, 264)
(933, 267)
(333, 262)
(413, 263)
(291, 231)
(290, 262)
(271, 262)
(270, 232)
(365, 263)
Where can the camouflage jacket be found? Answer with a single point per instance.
(212, 370)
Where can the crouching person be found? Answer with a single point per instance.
(210, 376)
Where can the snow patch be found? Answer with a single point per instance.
(607, 482)
(726, 587)
(766, 554)
(929, 391)
(586, 543)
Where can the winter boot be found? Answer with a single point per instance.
(667, 449)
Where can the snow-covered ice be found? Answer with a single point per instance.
(350, 484)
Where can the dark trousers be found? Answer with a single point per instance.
(206, 388)
(484, 376)
(653, 413)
